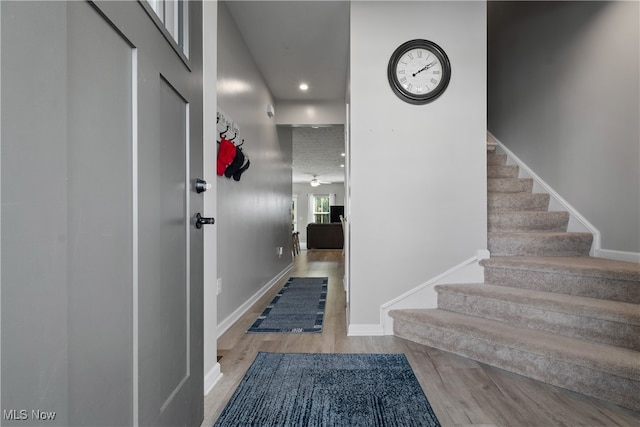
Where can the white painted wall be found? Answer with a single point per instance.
(252, 214)
(310, 113)
(564, 96)
(424, 163)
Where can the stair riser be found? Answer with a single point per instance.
(585, 286)
(517, 202)
(551, 244)
(529, 316)
(527, 221)
(598, 384)
(510, 185)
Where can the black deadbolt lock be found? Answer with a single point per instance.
(201, 220)
(202, 186)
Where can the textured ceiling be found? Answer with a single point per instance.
(318, 152)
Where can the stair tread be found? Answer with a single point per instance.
(494, 158)
(583, 266)
(507, 202)
(510, 185)
(502, 171)
(539, 243)
(521, 221)
(539, 234)
(577, 305)
(531, 213)
(606, 358)
(510, 179)
(521, 195)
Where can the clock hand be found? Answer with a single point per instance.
(419, 71)
(426, 67)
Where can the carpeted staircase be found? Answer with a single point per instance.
(547, 310)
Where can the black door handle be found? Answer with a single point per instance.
(201, 220)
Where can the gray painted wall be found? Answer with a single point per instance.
(399, 151)
(564, 97)
(252, 214)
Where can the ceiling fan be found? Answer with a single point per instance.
(315, 182)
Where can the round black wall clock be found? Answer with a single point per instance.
(419, 71)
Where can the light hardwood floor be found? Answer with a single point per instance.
(461, 391)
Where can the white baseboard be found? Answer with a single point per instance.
(576, 221)
(237, 314)
(372, 330)
(425, 296)
(619, 255)
(211, 378)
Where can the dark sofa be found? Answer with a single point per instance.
(325, 236)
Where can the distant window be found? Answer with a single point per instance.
(294, 210)
(321, 212)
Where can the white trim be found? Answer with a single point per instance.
(483, 254)
(187, 231)
(619, 255)
(371, 330)
(576, 222)
(134, 232)
(212, 378)
(237, 314)
(347, 210)
(0, 202)
(209, 271)
(469, 271)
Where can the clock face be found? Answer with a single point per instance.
(419, 71)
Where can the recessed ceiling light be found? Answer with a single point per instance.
(343, 154)
(304, 86)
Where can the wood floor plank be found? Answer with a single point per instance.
(461, 391)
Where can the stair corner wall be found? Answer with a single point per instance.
(425, 296)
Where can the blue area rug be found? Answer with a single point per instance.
(328, 390)
(298, 307)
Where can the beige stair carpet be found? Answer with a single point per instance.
(547, 310)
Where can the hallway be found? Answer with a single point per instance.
(461, 391)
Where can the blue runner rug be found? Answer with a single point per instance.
(298, 307)
(322, 390)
